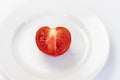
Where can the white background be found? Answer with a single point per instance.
(109, 13)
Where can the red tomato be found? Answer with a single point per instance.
(53, 41)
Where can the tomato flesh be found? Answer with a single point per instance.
(53, 41)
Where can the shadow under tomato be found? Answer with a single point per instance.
(67, 61)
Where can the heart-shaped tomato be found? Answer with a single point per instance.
(53, 41)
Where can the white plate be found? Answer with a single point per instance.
(20, 59)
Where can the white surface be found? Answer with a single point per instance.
(108, 11)
(30, 66)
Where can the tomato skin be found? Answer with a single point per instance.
(53, 42)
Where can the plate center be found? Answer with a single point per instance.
(31, 59)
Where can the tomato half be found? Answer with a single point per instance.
(53, 41)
